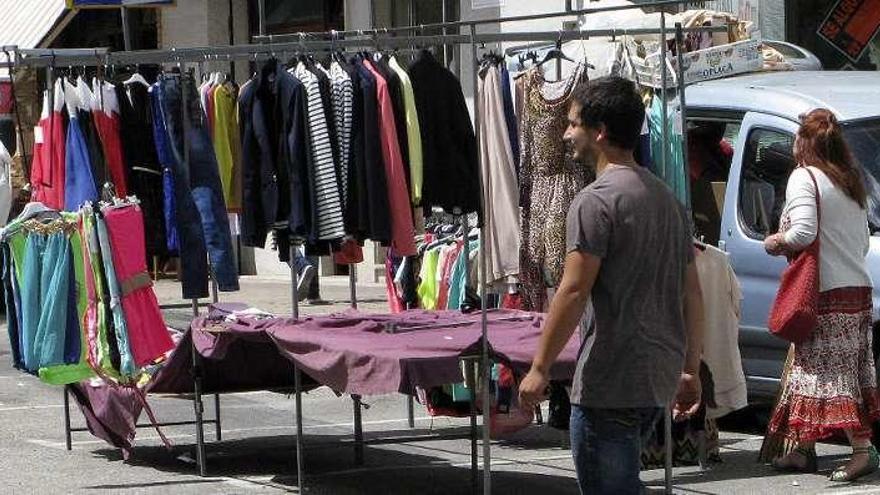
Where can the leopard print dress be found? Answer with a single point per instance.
(550, 179)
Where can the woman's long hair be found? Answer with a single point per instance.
(820, 144)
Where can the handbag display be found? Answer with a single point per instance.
(793, 315)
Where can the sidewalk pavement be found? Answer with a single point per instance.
(257, 452)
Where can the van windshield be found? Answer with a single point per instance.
(863, 138)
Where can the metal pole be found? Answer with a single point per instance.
(471, 381)
(126, 28)
(231, 22)
(300, 471)
(198, 406)
(679, 48)
(410, 411)
(352, 285)
(445, 46)
(68, 441)
(50, 78)
(217, 417)
(664, 118)
(487, 449)
(667, 416)
(358, 431)
(297, 375)
(261, 16)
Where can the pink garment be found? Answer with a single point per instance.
(148, 335)
(398, 195)
(446, 272)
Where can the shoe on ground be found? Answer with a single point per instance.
(303, 281)
(318, 302)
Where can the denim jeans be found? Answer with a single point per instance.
(606, 445)
(300, 262)
(200, 211)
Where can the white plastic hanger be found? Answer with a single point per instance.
(136, 78)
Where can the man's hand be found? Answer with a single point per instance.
(533, 389)
(687, 398)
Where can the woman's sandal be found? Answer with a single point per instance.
(788, 464)
(842, 475)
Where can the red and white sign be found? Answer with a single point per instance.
(851, 25)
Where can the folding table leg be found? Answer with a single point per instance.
(300, 472)
(198, 406)
(667, 444)
(358, 431)
(410, 411)
(472, 388)
(217, 417)
(67, 438)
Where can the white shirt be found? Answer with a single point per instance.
(844, 236)
(721, 306)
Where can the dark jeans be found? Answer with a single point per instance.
(200, 210)
(300, 262)
(606, 445)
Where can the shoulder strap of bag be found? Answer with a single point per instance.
(818, 203)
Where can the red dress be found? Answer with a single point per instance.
(47, 172)
(107, 123)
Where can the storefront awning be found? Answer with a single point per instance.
(31, 23)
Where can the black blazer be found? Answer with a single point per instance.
(374, 213)
(451, 170)
(276, 163)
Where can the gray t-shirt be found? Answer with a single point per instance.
(634, 354)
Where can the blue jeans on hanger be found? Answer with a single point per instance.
(202, 221)
(607, 444)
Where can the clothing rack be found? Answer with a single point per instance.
(269, 46)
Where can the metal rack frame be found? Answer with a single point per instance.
(275, 45)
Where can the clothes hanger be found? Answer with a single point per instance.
(555, 53)
(136, 78)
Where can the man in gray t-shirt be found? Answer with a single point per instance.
(629, 247)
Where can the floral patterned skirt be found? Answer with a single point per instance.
(832, 384)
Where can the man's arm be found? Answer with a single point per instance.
(566, 311)
(687, 400)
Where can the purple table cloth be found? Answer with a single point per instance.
(350, 352)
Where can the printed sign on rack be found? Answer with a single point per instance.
(707, 64)
(84, 4)
(722, 61)
(851, 25)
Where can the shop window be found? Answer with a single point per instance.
(285, 16)
(767, 163)
(400, 13)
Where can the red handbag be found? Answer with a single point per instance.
(793, 316)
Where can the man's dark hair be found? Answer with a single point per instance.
(612, 101)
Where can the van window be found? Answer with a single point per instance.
(767, 163)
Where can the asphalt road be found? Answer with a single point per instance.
(257, 451)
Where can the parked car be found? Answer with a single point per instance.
(760, 113)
